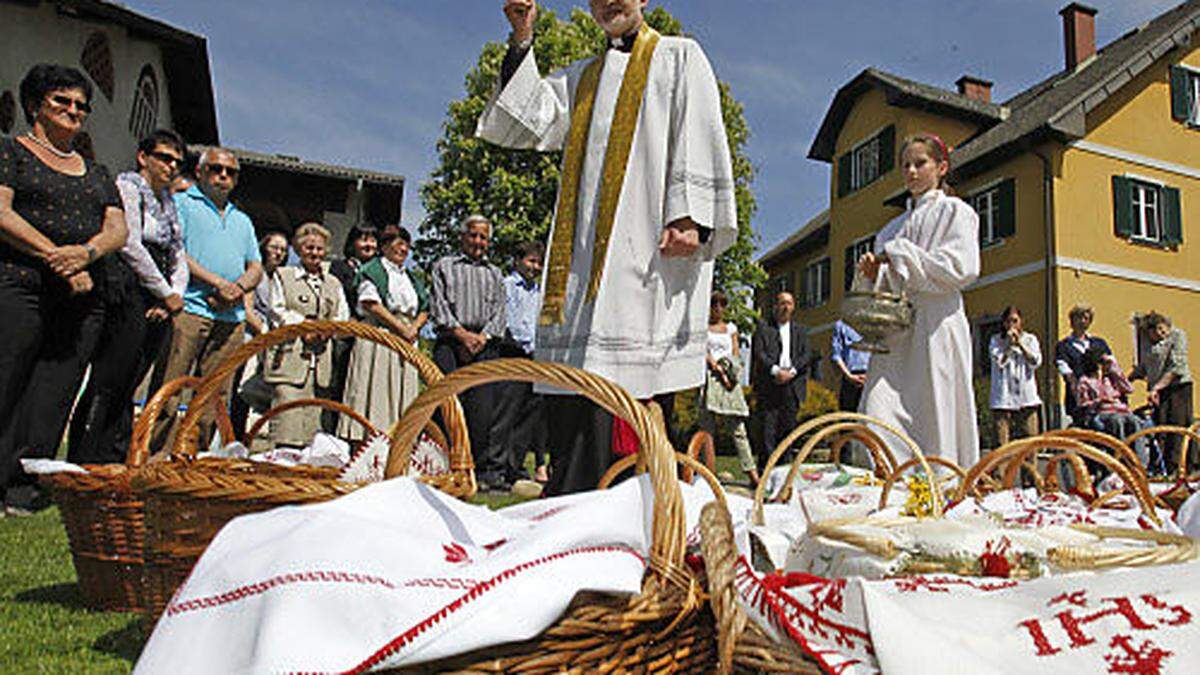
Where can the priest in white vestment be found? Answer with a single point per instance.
(645, 206)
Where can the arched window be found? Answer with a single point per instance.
(8, 112)
(97, 62)
(144, 117)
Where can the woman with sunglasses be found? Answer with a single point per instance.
(138, 323)
(59, 217)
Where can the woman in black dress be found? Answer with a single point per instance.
(59, 217)
(153, 275)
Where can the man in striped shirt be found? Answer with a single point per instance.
(467, 311)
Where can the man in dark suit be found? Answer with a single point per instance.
(779, 375)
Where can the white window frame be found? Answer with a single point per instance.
(988, 214)
(864, 163)
(818, 293)
(1147, 217)
(1193, 86)
(862, 246)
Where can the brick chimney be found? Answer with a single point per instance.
(1079, 33)
(975, 87)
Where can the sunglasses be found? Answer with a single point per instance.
(66, 102)
(219, 169)
(167, 158)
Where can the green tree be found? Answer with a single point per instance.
(517, 188)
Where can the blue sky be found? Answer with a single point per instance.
(366, 82)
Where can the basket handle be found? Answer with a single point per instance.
(848, 421)
(1189, 435)
(690, 465)
(669, 538)
(934, 460)
(1118, 448)
(460, 446)
(304, 403)
(143, 426)
(1016, 453)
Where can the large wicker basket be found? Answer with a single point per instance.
(103, 514)
(188, 500)
(744, 646)
(1179, 487)
(666, 627)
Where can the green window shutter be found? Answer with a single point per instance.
(1172, 220)
(887, 150)
(825, 274)
(1181, 96)
(848, 273)
(1006, 224)
(1122, 206)
(843, 170)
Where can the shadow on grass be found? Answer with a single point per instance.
(63, 595)
(123, 643)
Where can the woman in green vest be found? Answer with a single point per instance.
(380, 384)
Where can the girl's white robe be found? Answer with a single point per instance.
(924, 385)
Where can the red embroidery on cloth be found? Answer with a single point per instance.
(800, 622)
(1041, 643)
(944, 584)
(452, 583)
(1182, 616)
(423, 463)
(1155, 611)
(1077, 598)
(455, 553)
(243, 592)
(405, 638)
(495, 545)
(537, 518)
(1073, 625)
(1145, 660)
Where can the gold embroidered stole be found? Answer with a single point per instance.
(616, 159)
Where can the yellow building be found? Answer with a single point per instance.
(1087, 185)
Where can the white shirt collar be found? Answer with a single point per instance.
(929, 195)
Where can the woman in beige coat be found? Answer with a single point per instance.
(303, 367)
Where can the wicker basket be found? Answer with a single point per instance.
(1181, 485)
(325, 403)
(666, 627)
(744, 646)
(188, 500)
(103, 515)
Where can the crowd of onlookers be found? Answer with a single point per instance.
(153, 274)
(1096, 388)
(156, 275)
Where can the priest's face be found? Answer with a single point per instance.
(785, 306)
(618, 17)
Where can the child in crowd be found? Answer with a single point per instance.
(1102, 393)
(930, 253)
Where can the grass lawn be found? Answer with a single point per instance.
(44, 627)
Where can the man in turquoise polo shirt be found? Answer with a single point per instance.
(223, 259)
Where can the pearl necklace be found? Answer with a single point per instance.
(50, 146)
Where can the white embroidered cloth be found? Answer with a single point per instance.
(1144, 620)
(396, 574)
(1141, 621)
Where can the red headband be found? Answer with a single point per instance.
(941, 145)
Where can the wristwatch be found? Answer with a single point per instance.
(91, 251)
